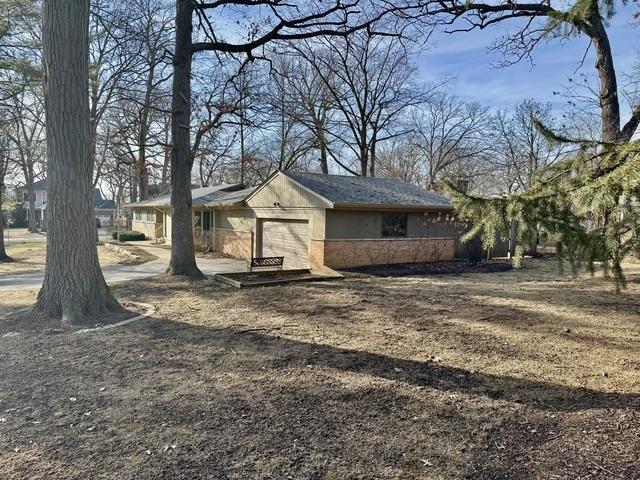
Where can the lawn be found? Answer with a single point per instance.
(30, 257)
(518, 374)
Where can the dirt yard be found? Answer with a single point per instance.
(31, 257)
(516, 374)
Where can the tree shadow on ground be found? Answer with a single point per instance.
(240, 403)
(536, 394)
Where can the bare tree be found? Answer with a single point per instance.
(309, 102)
(372, 82)
(4, 170)
(26, 107)
(153, 26)
(519, 150)
(399, 158)
(448, 133)
(540, 21)
(74, 287)
(289, 140)
(280, 22)
(111, 57)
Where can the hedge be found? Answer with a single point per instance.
(128, 236)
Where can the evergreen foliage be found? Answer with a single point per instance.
(588, 203)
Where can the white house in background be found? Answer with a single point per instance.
(40, 192)
(105, 210)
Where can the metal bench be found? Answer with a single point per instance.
(267, 262)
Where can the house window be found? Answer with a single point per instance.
(394, 224)
(202, 220)
(146, 215)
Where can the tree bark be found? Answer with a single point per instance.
(363, 147)
(31, 195)
(183, 260)
(143, 132)
(609, 101)
(166, 162)
(372, 158)
(322, 145)
(3, 252)
(33, 225)
(74, 288)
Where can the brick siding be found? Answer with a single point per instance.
(356, 253)
(238, 244)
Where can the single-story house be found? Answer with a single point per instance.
(315, 220)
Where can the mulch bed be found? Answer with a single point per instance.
(270, 278)
(433, 268)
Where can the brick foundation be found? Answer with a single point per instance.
(238, 244)
(356, 253)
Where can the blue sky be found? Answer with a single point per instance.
(465, 58)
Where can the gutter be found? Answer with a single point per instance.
(394, 208)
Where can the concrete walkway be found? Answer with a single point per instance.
(121, 273)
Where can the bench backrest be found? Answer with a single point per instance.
(266, 262)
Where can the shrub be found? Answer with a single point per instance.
(128, 236)
(475, 252)
(18, 217)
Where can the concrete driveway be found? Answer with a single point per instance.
(21, 235)
(121, 273)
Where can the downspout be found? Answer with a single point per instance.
(212, 226)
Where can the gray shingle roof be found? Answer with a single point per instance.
(104, 204)
(218, 195)
(369, 191)
(41, 185)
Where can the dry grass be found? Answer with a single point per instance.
(30, 257)
(521, 374)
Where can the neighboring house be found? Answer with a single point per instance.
(105, 210)
(40, 192)
(315, 220)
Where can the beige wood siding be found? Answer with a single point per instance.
(284, 193)
(236, 219)
(345, 224)
(287, 238)
(432, 225)
(351, 224)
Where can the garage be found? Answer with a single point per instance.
(288, 239)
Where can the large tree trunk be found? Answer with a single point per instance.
(363, 157)
(133, 184)
(33, 226)
(166, 163)
(143, 174)
(609, 101)
(183, 260)
(3, 252)
(74, 288)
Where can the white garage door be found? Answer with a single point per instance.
(288, 239)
